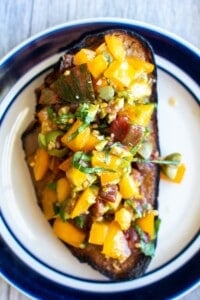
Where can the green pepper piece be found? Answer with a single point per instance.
(52, 136)
(170, 170)
(58, 152)
(106, 93)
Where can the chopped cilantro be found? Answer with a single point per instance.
(52, 185)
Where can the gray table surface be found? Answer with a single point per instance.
(20, 19)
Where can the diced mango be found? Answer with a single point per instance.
(139, 114)
(68, 233)
(115, 46)
(78, 142)
(83, 56)
(123, 216)
(179, 175)
(140, 65)
(76, 177)
(91, 143)
(110, 177)
(140, 89)
(63, 189)
(48, 198)
(121, 73)
(97, 66)
(146, 223)
(98, 233)
(115, 244)
(86, 199)
(104, 160)
(41, 164)
(128, 187)
(101, 48)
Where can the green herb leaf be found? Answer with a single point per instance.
(64, 118)
(157, 223)
(156, 161)
(47, 97)
(147, 248)
(79, 221)
(76, 86)
(51, 114)
(52, 185)
(59, 210)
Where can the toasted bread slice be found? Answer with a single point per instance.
(137, 261)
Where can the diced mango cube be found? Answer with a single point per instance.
(146, 223)
(115, 244)
(104, 160)
(139, 114)
(68, 233)
(86, 199)
(83, 56)
(76, 177)
(123, 216)
(101, 48)
(97, 66)
(115, 46)
(41, 164)
(98, 233)
(78, 142)
(63, 189)
(140, 65)
(128, 187)
(49, 197)
(110, 177)
(121, 73)
(91, 143)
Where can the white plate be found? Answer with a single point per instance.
(28, 244)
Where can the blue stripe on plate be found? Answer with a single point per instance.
(38, 287)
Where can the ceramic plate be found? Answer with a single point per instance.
(32, 259)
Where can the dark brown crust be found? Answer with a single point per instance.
(137, 263)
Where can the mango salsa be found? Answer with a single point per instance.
(98, 233)
(74, 139)
(115, 46)
(128, 187)
(40, 164)
(49, 197)
(97, 66)
(86, 199)
(68, 233)
(115, 244)
(95, 165)
(83, 56)
(124, 216)
(146, 223)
